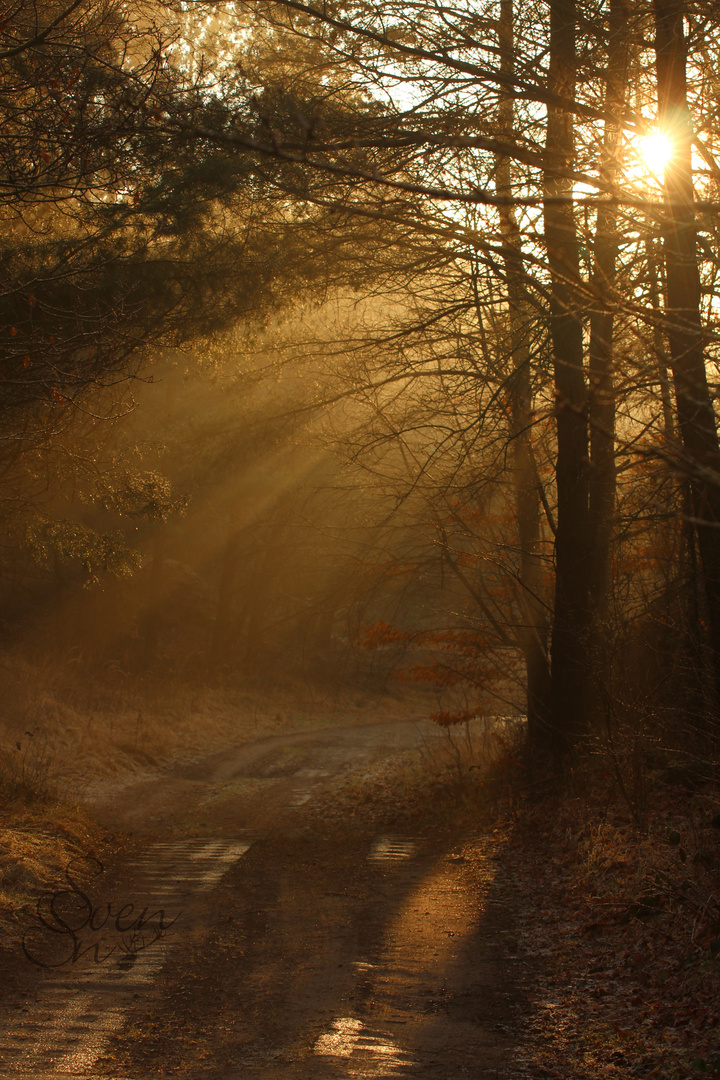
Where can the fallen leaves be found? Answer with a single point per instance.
(620, 930)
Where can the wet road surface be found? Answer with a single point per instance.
(231, 935)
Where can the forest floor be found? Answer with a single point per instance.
(352, 901)
(623, 923)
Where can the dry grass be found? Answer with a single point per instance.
(457, 778)
(61, 727)
(625, 922)
(37, 842)
(67, 734)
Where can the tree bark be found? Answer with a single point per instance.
(602, 482)
(661, 358)
(696, 417)
(570, 635)
(533, 633)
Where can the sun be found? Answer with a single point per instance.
(655, 152)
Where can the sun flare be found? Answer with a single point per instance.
(655, 152)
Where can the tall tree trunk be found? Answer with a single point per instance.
(696, 417)
(533, 634)
(661, 359)
(570, 669)
(602, 325)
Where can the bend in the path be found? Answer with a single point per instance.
(296, 953)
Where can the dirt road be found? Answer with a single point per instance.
(231, 933)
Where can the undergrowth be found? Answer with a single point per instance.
(76, 729)
(624, 922)
(619, 920)
(456, 778)
(68, 734)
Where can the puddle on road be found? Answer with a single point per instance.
(416, 978)
(304, 793)
(367, 1053)
(67, 1029)
(392, 849)
(299, 798)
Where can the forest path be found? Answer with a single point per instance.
(270, 945)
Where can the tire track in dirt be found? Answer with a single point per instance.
(67, 1028)
(298, 953)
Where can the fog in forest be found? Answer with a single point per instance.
(359, 523)
(241, 513)
(328, 368)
